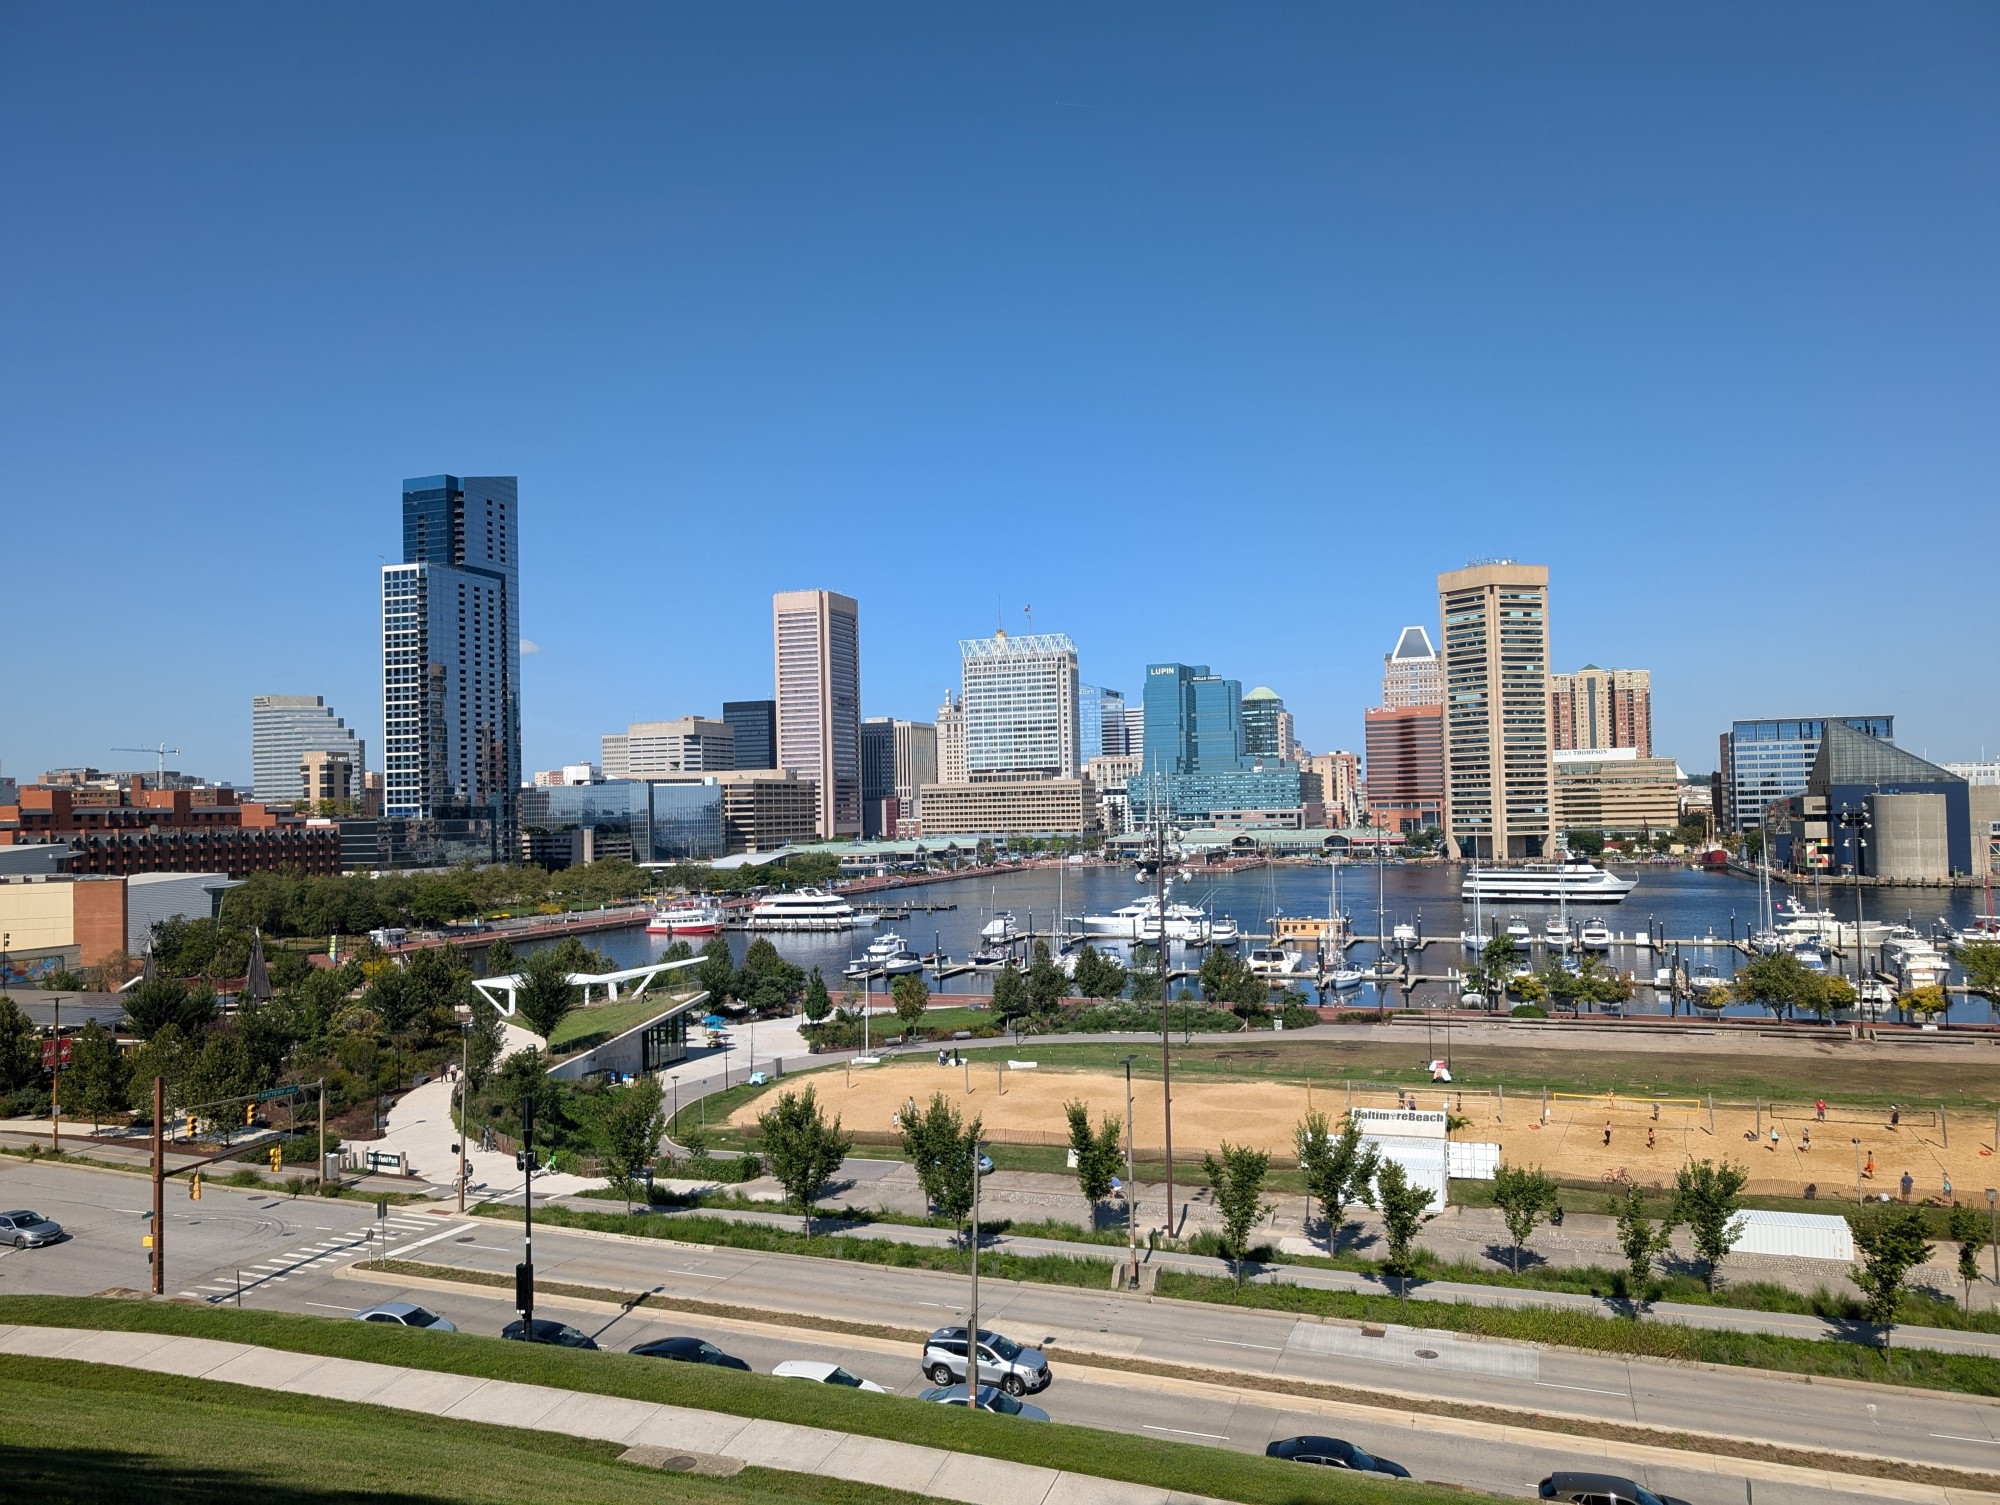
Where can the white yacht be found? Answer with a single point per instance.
(1517, 930)
(1915, 962)
(1877, 997)
(808, 909)
(1223, 931)
(1595, 935)
(697, 916)
(1342, 978)
(1809, 956)
(1709, 986)
(1556, 933)
(902, 960)
(1546, 883)
(1473, 941)
(1275, 964)
(1404, 936)
(1001, 928)
(1140, 921)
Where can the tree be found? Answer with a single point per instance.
(482, 1049)
(1339, 1168)
(1706, 1199)
(1403, 1215)
(1148, 985)
(1779, 981)
(819, 1003)
(545, 997)
(941, 1148)
(1096, 1150)
(804, 1150)
(911, 998)
(1642, 1240)
(523, 1075)
(1098, 975)
(1980, 962)
(1046, 982)
(1832, 995)
(629, 1130)
(1010, 995)
(152, 1006)
(716, 969)
(1927, 1000)
(95, 1081)
(1524, 1196)
(500, 959)
(1969, 1234)
(1891, 1241)
(165, 1055)
(1237, 1178)
(20, 1058)
(766, 981)
(1590, 843)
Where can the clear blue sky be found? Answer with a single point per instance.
(1211, 332)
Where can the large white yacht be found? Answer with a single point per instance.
(1545, 883)
(808, 909)
(1140, 921)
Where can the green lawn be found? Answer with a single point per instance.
(1145, 1460)
(96, 1433)
(585, 1028)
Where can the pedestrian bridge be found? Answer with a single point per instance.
(502, 992)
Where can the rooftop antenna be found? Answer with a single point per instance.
(160, 752)
(1029, 613)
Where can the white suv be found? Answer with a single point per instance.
(1002, 1361)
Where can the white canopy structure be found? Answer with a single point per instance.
(501, 991)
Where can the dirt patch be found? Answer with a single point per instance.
(1607, 1138)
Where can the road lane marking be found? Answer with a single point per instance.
(328, 1305)
(1183, 1432)
(1230, 1343)
(1587, 1389)
(1992, 1442)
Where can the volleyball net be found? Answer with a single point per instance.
(1627, 1102)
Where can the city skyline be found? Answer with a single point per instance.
(1506, 322)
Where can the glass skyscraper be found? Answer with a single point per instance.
(755, 723)
(451, 654)
(1194, 751)
(1770, 760)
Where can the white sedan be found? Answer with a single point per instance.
(824, 1374)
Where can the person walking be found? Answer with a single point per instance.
(1819, 1110)
(1909, 1185)
(1895, 1114)
(1868, 1174)
(1649, 1136)
(1947, 1189)
(1805, 1138)
(1774, 1139)
(1607, 1133)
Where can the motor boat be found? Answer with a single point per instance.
(687, 917)
(1140, 921)
(1517, 930)
(807, 909)
(1546, 883)
(987, 957)
(1276, 963)
(1223, 931)
(1709, 986)
(1556, 933)
(902, 961)
(1595, 936)
(1877, 997)
(1663, 979)
(1001, 928)
(1809, 956)
(1915, 962)
(1341, 979)
(884, 946)
(1404, 936)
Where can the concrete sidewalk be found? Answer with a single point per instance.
(636, 1424)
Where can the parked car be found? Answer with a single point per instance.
(27, 1230)
(1331, 1452)
(990, 1399)
(1002, 1361)
(689, 1351)
(1601, 1489)
(825, 1374)
(559, 1333)
(405, 1314)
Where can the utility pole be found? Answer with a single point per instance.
(1160, 965)
(1131, 1184)
(972, 1326)
(464, 1103)
(524, 1273)
(322, 1135)
(55, 1084)
(159, 1192)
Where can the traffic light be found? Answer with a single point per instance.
(277, 1158)
(249, 1114)
(520, 1160)
(194, 1187)
(190, 1126)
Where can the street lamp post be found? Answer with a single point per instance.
(464, 1105)
(1131, 1200)
(1993, 1237)
(972, 1326)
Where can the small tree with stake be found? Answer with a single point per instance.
(1405, 1210)
(1524, 1196)
(941, 1148)
(1891, 1241)
(1339, 1168)
(1969, 1234)
(1706, 1198)
(1237, 1178)
(819, 1003)
(805, 1151)
(1643, 1242)
(629, 1132)
(1096, 1151)
(911, 998)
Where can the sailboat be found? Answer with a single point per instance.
(1765, 938)
(1475, 938)
(1335, 973)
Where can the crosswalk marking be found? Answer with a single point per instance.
(392, 1231)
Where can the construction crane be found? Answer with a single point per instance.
(160, 752)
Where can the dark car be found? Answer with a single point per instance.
(1601, 1489)
(1331, 1452)
(26, 1230)
(689, 1351)
(559, 1333)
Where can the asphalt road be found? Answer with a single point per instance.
(298, 1256)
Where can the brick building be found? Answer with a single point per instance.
(140, 830)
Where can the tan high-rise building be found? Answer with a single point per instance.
(1596, 709)
(816, 638)
(1410, 674)
(1495, 626)
(951, 740)
(1340, 778)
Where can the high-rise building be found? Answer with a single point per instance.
(1112, 738)
(1267, 725)
(328, 778)
(897, 759)
(1193, 754)
(1135, 730)
(816, 637)
(1405, 747)
(283, 729)
(1597, 709)
(951, 740)
(1498, 799)
(755, 726)
(650, 749)
(1768, 760)
(1410, 673)
(451, 655)
(1021, 707)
